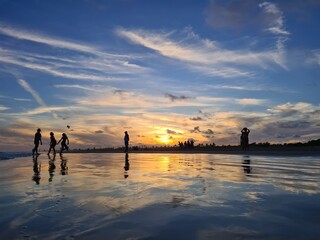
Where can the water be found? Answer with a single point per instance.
(160, 196)
(12, 155)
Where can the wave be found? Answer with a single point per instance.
(11, 155)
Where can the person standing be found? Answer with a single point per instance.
(126, 141)
(244, 139)
(53, 143)
(37, 140)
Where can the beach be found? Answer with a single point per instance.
(160, 196)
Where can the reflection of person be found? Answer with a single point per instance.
(244, 139)
(64, 142)
(37, 140)
(36, 170)
(126, 140)
(126, 165)
(52, 167)
(63, 165)
(246, 166)
(53, 143)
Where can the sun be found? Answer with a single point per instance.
(165, 140)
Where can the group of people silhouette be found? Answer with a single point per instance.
(53, 142)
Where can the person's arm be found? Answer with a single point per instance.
(68, 140)
(59, 141)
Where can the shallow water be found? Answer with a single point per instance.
(160, 196)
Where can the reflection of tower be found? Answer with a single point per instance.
(36, 170)
(52, 167)
(63, 165)
(126, 165)
(246, 166)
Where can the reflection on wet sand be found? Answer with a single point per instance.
(52, 166)
(216, 195)
(126, 165)
(36, 170)
(246, 165)
(63, 165)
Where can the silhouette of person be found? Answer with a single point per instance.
(53, 143)
(37, 140)
(126, 141)
(36, 169)
(52, 167)
(244, 139)
(64, 142)
(126, 165)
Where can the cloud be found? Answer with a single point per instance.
(2, 108)
(29, 89)
(239, 14)
(196, 119)
(276, 18)
(50, 70)
(195, 130)
(36, 96)
(84, 62)
(250, 101)
(119, 91)
(203, 55)
(77, 86)
(54, 42)
(175, 98)
(173, 132)
(208, 132)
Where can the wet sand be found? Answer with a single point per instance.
(160, 196)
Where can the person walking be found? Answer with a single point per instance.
(53, 143)
(64, 142)
(37, 140)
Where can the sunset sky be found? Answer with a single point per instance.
(165, 71)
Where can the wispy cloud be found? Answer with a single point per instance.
(85, 62)
(175, 98)
(2, 108)
(276, 26)
(250, 101)
(276, 23)
(30, 90)
(43, 39)
(35, 95)
(201, 55)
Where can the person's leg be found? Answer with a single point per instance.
(36, 148)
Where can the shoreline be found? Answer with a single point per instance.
(229, 150)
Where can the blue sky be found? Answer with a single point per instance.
(165, 71)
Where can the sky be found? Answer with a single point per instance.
(165, 71)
